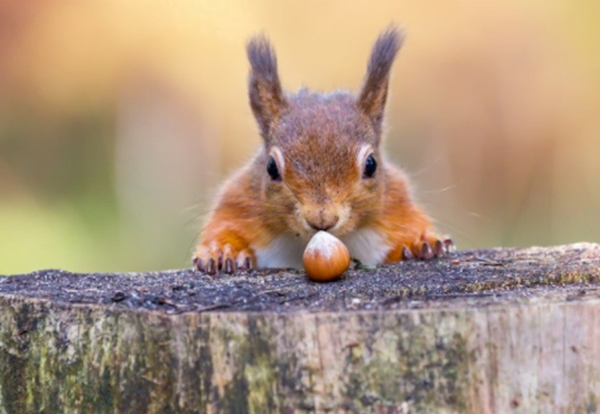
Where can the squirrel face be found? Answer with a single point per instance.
(321, 167)
(323, 164)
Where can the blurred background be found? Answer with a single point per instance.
(119, 118)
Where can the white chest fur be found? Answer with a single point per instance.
(366, 245)
(285, 251)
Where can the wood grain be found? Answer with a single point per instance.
(488, 331)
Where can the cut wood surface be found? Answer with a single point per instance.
(482, 331)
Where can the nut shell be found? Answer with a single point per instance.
(325, 257)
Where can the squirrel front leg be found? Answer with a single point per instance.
(226, 241)
(408, 229)
(425, 246)
(223, 248)
(412, 237)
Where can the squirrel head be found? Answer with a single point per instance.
(321, 167)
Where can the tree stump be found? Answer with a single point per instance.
(482, 331)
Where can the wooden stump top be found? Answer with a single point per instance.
(468, 278)
(479, 332)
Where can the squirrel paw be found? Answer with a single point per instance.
(428, 247)
(215, 258)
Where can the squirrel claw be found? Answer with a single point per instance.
(430, 247)
(211, 267)
(229, 267)
(198, 264)
(213, 259)
(449, 246)
(426, 252)
(438, 248)
(244, 261)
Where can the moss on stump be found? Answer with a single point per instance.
(487, 331)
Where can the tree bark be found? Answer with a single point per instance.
(486, 331)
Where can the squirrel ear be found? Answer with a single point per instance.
(375, 86)
(264, 89)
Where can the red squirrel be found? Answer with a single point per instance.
(320, 168)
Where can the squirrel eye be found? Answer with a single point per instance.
(370, 167)
(273, 170)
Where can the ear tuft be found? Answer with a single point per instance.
(373, 94)
(264, 89)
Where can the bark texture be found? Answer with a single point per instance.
(488, 331)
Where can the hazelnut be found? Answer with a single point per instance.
(325, 257)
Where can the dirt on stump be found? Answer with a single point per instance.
(481, 276)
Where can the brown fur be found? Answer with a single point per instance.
(322, 184)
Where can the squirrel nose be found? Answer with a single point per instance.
(323, 223)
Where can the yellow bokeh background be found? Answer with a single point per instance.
(119, 118)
